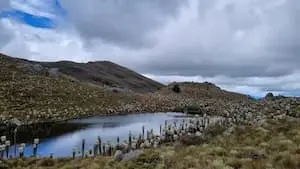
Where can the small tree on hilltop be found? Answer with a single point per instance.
(176, 88)
(269, 96)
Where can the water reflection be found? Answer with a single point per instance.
(108, 128)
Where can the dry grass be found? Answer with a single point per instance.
(270, 146)
(36, 96)
(273, 145)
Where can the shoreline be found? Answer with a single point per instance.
(224, 105)
(86, 115)
(43, 125)
(222, 108)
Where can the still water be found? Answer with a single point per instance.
(107, 127)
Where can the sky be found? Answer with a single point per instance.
(249, 46)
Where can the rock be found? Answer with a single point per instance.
(37, 68)
(16, 121)
(260, 122)
(54, 72)
(118, 155)
(132, 155)
(199, 134)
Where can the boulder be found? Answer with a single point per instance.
(132, 155)
(118, 155)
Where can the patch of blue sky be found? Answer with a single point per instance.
(34, 20)
(256, 97)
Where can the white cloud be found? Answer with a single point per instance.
(44, 44)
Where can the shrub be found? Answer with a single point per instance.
(149, 156)
(298, 109)
(191, 140)
(176, 88)
(150, 159)
(269, 96)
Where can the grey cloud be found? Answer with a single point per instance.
(257, 86)
(5, 35)
(4, 4)
(249, 46)
(240, 39)
(124, 23)
(206, 38)
(209, 69)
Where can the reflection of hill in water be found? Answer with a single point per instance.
(116, 123)
(109, 125)
(121, 120)
(63, 137)
(42, 130)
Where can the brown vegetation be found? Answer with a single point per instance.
(31, 93)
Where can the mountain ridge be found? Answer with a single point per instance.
(99, 73)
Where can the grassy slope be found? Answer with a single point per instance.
(273, 145)
(32, 96)
(205, 91)
(37, 96)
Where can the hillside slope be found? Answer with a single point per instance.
(204, 90)
(33, 92)
(105, 73)
(29, 92)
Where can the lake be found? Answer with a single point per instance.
(107, 127)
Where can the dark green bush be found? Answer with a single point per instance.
(176, 88)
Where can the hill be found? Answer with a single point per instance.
(34, 92)
(29, 92)
(204, 90)
(105, 73)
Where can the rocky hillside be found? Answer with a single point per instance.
(33, 92)
(102, 73)
(30, 92)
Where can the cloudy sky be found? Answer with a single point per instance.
(248, 46)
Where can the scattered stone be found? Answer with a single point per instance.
(118, 155)
(132, 155)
